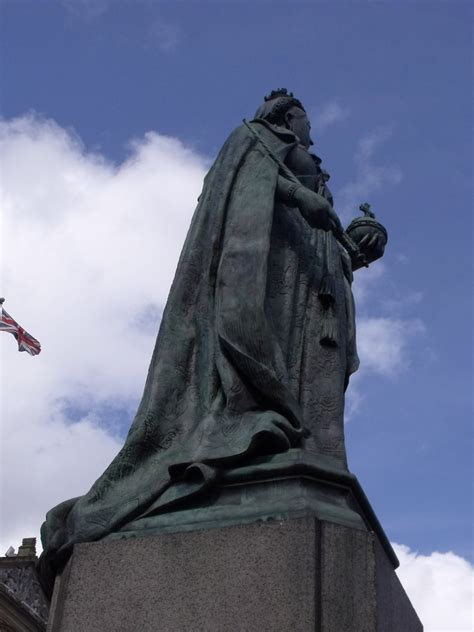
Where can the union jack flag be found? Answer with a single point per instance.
(26, 342)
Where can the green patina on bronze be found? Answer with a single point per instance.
(256, 343)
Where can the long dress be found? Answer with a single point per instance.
(300, 258)
(241, 367)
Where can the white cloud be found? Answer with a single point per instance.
(328, 114)
(89, 252)
(366, 280)
(163, 35)
(402, 258)
(158, 33)
(440, 587)
(87, 9)
(370, 177)
(383, 343)
(398, 302)
(355, 397)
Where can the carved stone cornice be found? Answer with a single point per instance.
(23, 605)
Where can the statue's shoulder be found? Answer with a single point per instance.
(273, 133)
(237, 140)
(269, 132)
(245, 138)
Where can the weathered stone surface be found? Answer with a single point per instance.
(301, 575)
(390, 594)
(286, 486)
(347, 571)
(23, 606)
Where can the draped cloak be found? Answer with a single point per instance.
(238, 369)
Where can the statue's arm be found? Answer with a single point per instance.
(314, 207)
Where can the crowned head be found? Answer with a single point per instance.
(283, 109)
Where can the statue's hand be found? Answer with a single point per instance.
(316, 210)
(372, 244)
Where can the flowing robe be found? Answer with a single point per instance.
(239, 369)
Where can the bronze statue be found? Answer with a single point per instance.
(257, 341)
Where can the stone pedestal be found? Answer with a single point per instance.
(298, 575)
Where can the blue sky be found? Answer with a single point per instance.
(387, 85)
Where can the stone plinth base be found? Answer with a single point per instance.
(296, 575)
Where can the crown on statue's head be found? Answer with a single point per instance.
(276, 104)
(279, 92)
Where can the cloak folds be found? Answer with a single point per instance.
(237, 370)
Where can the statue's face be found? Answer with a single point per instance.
(299, 124)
